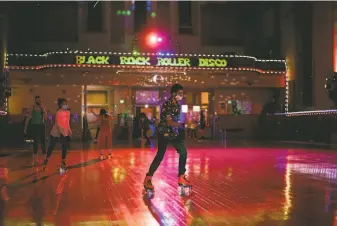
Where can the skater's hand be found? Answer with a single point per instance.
(25, 131)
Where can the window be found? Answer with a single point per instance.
(43, 22)
(204, 98)
(185, 17)
(117, 27)
(95, 16)
(235, 107)
(140, 15)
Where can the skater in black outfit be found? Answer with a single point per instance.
(36, 120)
(169, 133)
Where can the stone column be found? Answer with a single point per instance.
(3, 52)
(322, 46)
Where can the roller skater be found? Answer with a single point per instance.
(60, 132)
(105, 134)
(36, 120)
(168, 128)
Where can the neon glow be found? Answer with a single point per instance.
(153, 40)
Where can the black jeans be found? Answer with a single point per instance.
(64, 143)
(162, 145)
(38, 134)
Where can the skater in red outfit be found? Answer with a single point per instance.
(61, 132)
(168, 128)
(105, 133)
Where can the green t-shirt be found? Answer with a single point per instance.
(37, 117)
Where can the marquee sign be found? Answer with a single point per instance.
(209, 62)
(152, 61)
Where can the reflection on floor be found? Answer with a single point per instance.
(232, 186)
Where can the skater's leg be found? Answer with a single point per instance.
(42, 135)
(109, 144)
(97, 132)
(181, 149)
(35, 137)
(64, 142)
(162, 145)
(52, 143)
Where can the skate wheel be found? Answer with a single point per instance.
(184, 191)
(63, 171)
(149, 193)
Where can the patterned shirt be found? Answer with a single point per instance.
(169, 108)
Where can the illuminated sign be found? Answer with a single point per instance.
(153, 61)
(174, 62)
(92, 60)
(205, 62)
(134, 60)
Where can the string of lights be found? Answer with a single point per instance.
(142, 67)
(286, 99)
(306, 113)
(142, 54)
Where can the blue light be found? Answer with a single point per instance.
(133, 7)
(148, 9)
(167, 54)
(148, 3)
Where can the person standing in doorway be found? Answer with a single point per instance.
(105, 134)
(61, 131)
(202, 125)
(36, 120)
(169, 133)
(144, 125)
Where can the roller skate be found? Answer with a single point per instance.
(63, 167)
(101, 157)
(148, 187)
(185, 187)
(45, 162)
(35, 163)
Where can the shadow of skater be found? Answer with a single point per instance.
(36, 201)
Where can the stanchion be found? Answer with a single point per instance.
(224, 137)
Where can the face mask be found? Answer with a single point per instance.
(179, 98)
(65, 107)
(37, 103)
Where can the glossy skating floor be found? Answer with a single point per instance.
(232, 186)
